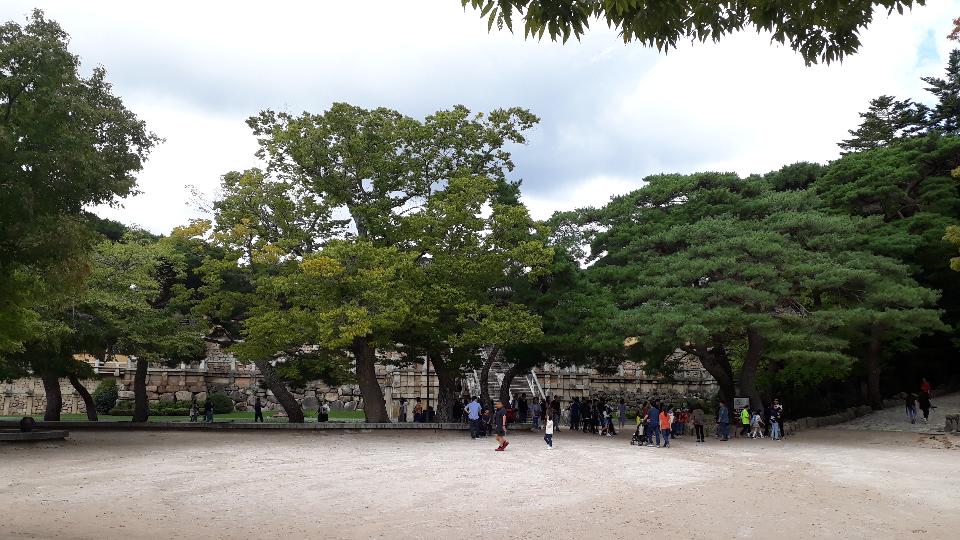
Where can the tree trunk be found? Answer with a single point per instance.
(717, 364)
(51, 387)
(748, 373)
(485, 376)
(374, 406)
(87, 398)
(874, 397)
(286, 400)
(141, 407)
(447, 388)
(505, 385)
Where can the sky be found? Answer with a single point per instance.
(611, 113)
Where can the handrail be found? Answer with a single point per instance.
(538, 390)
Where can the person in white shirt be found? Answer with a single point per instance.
(548, 432)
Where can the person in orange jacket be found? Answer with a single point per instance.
(665, 426)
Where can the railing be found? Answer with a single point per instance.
(535, 388)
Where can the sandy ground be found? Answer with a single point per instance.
(819, 484)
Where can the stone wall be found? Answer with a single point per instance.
(24, 396)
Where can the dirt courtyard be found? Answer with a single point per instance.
(818, 484)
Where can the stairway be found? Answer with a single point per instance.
(523, 383)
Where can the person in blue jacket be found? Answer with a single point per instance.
(723, 419)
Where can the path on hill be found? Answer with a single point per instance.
(895, 418)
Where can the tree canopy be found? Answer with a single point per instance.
(820, 31)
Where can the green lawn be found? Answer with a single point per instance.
(335, 416)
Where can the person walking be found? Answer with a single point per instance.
(473, 416)
(208, 411)
(925, 405)
(756, 425)
(911, 408)
(697, 418)
(653, 429)
(745, 421)
(194, 410)
(500, 425)
(403, 410)
(623, 413)
(548, 433)
(723, 421)
(665, 426)
(257, 410)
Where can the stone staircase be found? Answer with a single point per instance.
(524, 383)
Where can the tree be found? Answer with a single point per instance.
(952, 235)
(137, 305)
(377, 168)
(945, 116)
(819, 31)
(712, 264)
(885, 122)
(470, 263)
(66, 142)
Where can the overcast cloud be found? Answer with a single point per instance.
(611, 113)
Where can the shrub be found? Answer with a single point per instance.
(170, 408)
(222, 404)
(105, 396)
(122, 409)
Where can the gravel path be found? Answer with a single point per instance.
(895, 418)
(181, 485)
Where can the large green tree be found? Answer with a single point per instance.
(818, 30)
(66, 141)
(367, 173)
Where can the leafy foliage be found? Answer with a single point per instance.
(105, 396)
(819, 30)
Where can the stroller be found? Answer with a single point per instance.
(638, 438)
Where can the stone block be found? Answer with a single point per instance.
(236, 395)
(125, 394)
(310, 403)
(201, 397)
(167, 397)
(151, 388)
(183, 395)
(240, 406)
(330, 396)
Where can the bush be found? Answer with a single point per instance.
(105, 396)
(122, 409)
(222, 404)
(170, 408)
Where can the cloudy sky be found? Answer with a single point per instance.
(611, 113)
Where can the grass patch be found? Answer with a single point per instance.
(268, 416)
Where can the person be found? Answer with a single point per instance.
(775, 427)
(257, 410)
(911, 405)
(683, 421)
(745, 421)
(485, 424)
(457, 411)
(723, 421)
(555, 406)
(575, 414)
(403, 410)
(697, 418)
(418, 415)
(778, 409)
(638, 438)
(323, 412)
(665, 426)
(548, 433)
(535, 414)
(925, 405)
(756, 425)
(473, 416)
(500, 425)
(925, 386)
(522, 408)
(208, 411)
(194, 410)
(653, 430)
(623, 413)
